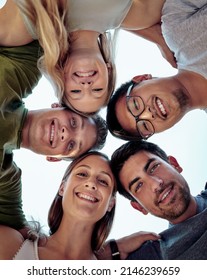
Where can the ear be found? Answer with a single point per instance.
(175, 164)
(139, 78)
(138, 207)
(53, 159)
(111, 203)
(56, 105)
(61, 189)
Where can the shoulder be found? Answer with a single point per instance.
(10, 240)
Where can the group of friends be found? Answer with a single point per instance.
(69, 42)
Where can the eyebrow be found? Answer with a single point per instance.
(89, 167)
(131, 183)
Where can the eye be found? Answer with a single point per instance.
(73, 122)
(136, 104)
(103, 182)
(71, 145)
(75, 91)
(82, 174)
(154, 167)
(97, 89)
(138, 186)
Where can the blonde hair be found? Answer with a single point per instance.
(50, 21)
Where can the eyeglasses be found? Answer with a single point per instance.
(135, 105)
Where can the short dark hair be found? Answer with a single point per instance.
(113, 124)
(124, 152)
(102, 132)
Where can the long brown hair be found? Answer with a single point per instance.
(102, 227)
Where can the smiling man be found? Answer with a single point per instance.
(152, 182)
(146, 105)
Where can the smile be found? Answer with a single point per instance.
(165, 194)
(87, 197)
(52, 133)
(85, 74)
(161, 108)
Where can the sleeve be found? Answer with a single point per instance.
(150, 250)
(11, 212)
(19, 73)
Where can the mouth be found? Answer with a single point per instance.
(85, 74)
(87, 197)
(161, 109)
(52, 134)
(165, 196)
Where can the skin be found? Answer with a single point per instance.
(86, 73)
(165, 89)
(158, 187)
(89, 189)
(58, 132)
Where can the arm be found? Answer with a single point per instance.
(10, 22)
(154, 34)
(10, 240)
(126, 244)
(143, 14)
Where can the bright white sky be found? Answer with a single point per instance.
(186, 141)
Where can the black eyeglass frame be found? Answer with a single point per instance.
(136, 117)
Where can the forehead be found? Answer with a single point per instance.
(139, 160)
(96, 162)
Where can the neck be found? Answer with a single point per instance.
(72, 241)
(84, 39)
(195, 85)
(25, 131)
(190, 212)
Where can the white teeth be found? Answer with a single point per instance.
(161, 107)
(85, 74)
(165, 195)
(52, 133)
(87, 197)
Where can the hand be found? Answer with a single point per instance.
(132, 242)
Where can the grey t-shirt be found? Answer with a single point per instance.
(184, 27)
(184, 241)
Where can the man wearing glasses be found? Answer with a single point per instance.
(147, 105)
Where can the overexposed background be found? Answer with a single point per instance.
(186, 141)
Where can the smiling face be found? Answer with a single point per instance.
(165, 104)
(88, 189)
(156, 185)
(58, 132)
(86, 81)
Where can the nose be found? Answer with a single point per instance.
(64, 134)
(148, 114)
(156, 184)
(91, 185)
(86, 80)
